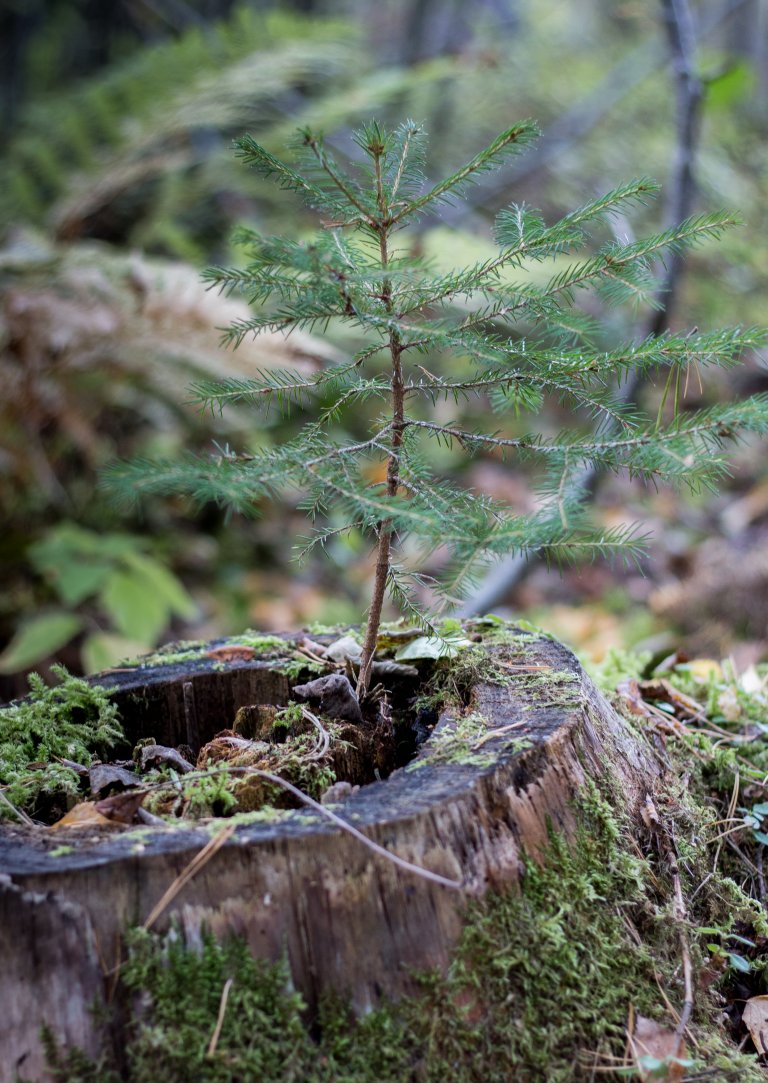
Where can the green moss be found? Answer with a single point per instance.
(452, 679)
(299, 666)
(261, 644)
(617, 666)
(170, 654)
(73, 721)
(317, 628)
(61, 851)
(267, 815)
(464, 741)
(187, 650)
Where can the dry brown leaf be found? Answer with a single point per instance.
(662, 691)
(122, 807)
(755, 1019)
(83, 815)
(649, 814)
(652, 1043)
(107, 776)
(629, 690)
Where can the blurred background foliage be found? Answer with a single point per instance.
(118, 186)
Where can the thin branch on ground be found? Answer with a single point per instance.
(25, 819)
(731, 809)
(192, 869)
(681, 917)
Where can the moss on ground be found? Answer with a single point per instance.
(74, 721)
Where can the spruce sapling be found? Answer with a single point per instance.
(404, 309)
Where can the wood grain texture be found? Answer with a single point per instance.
(347, 919)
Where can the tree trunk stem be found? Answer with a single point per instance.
(384, 530)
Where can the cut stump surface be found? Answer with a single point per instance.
(486, 788)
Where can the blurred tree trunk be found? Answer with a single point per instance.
(439, 27)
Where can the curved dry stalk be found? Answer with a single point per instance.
(408, 866)
(220, 1018)
(195, 865)
(324, 743)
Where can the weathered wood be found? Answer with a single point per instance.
(50, 974)
(347, 919)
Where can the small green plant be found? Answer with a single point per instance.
(108, 589)
(74, 721)
(353, 272)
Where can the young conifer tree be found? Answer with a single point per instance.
(352, 271)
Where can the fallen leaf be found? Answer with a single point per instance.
(701, 669)
(335, 695)
(431, 647)
(387, 668)
(662, 691)
(121, 807)
(729, 705)
(629, 690)
(649, 814)
(751, 682)
(755, 1019)
(346, 647)
(657, 1051)
(84, 814)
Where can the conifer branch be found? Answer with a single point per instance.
(406, 312)
(316, 146)
(511, 141)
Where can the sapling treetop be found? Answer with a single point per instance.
(354, 271)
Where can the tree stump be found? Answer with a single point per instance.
(497, 773)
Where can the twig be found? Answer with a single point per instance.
(193, 868)
(760, 876)
(25, 819)
(220, 1018)
(408, 866)
(681, 917)
(500, 732)
(573, 125)
(742, 856)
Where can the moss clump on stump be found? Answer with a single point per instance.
(539, 988)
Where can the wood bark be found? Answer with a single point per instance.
(347, 919)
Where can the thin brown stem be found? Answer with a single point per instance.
(384, 548)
